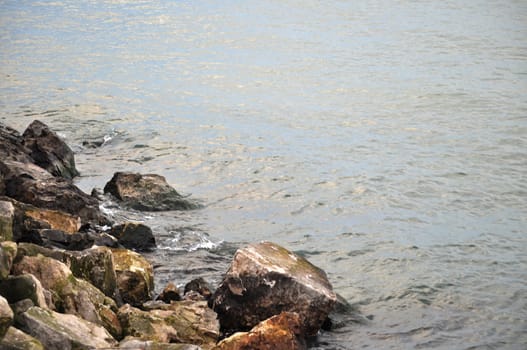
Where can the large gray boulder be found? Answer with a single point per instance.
(148, 192)
(265, 279)
(63, 331)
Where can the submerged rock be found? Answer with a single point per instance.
(49, 151)
(134, 235)
(135, 276)
(63, 331)
(148, 192)
(265, 279)
(15, 339)
(280, 332)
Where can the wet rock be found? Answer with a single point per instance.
(280, 332)
(179, 322)
(33, 185)
(169, 293)
(7, 215)
(147, 192)
(8, 252)
(63, 331)
(6, 317)
(136, 344)
(200, 286)
(135, 276)
(15, 339)
(69, 294)
(49, 151)
(265, 279)
(134, 235)
(12, 145)
(27, 286)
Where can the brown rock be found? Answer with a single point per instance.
(134, 235)
(169, 293)
(49, 151)
(265, 279)
(7, 215)
(147, 192)
(12, 145)
(8, 252)
(280, 332)
(6, 317)
(200, 286)
(135, 276)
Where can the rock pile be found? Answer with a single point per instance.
(67, 282)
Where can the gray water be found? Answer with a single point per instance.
(384, 141)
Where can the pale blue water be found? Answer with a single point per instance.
(385, 141)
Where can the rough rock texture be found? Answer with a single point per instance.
(15, 339)
(69, 294)
(8, 252)
(62, 331)
(6, 316)
(135, 276)
(280, 332)
(265, 279)
(27, 286)
(12, 146)
(49, 151)
(169, 293)
(200, 286)
(136, 344)
(179, 322)
(146, 192)
(31, 184)
(134, 235)
(7, 215)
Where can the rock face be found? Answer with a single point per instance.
(64, 332)
(135, 276)
(146, 192)
(280, 332)
(265, 279)
(15, 339)
(49, 151)
(7, 214)
(133, 235)
(6, 317)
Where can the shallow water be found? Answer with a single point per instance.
(387, 143)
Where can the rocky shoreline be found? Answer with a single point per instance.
(71, 278)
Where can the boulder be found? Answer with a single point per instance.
(15, 339)
(280, 332)
(134, 235)
(136, 344)
(6, 316)
(135, 276)
(64, 331)
(148, 192)
(26, 286)
(49, 151)
(8, 252)
(7, 215)
(200, 286)
(12, 145)
(69, 294)
(177, 322)
(169, 293)
(33, 185)
(265, 279)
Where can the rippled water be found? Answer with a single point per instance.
(385, 141)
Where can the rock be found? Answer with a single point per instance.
(180, 322)
(12, 145)
(27, 286)
(7, 215)
(56, 220)
(147, 192)
(169, 293)
(134, 235)
(8, 252)
(33, 185)
(200, 286)
(265, 279)
(69, 294)
(6, 317)
(15, 339)
(49, 151)
(135, 276)
(63, 331)
(280, 332)
(136, 344)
